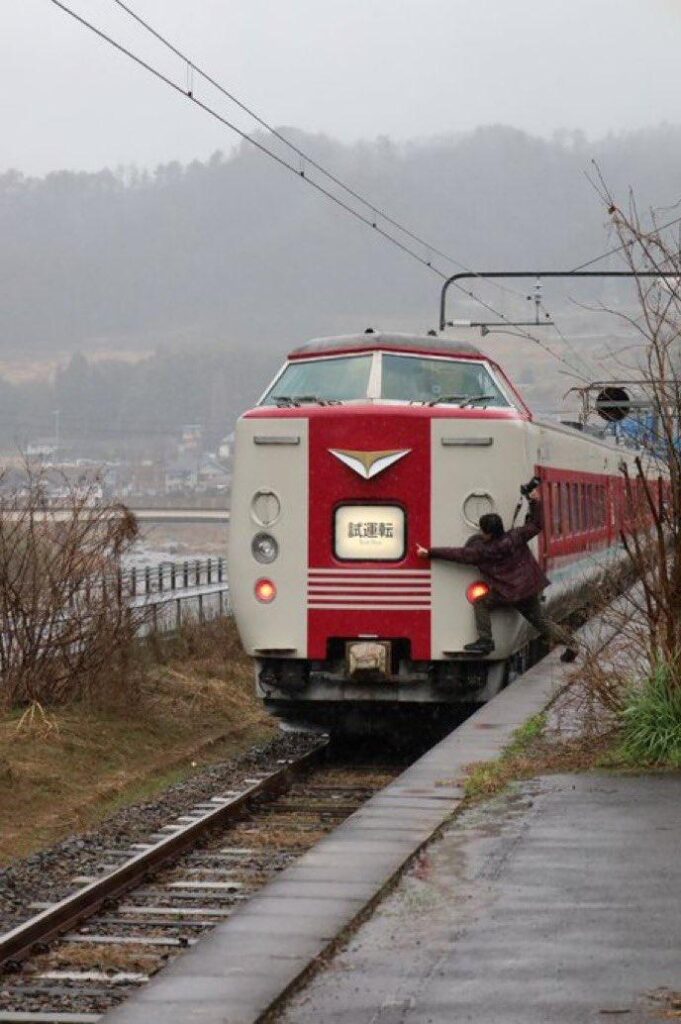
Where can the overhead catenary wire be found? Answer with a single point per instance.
(304, 156)
(188, 94)
(520, 332)
(229, 94)
(321, 189)
(622, 246)
(586, 363)
(612, 252)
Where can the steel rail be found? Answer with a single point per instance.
(21, 941)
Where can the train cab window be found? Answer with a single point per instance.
(427, 379)
(340, 379)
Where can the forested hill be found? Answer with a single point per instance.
(236, 250)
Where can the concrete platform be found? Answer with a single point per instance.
(234, 974)
(556, 903)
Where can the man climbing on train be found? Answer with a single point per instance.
(515, 578)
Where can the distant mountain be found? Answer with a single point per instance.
(219, 267)
(238, 250)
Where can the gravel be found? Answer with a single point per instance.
(46, 876)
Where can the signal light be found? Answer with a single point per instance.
(265, 591)
(476, 591)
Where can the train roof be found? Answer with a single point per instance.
(371, 340)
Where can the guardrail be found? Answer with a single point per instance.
(172, 576)
(169, 610)
(167, 595)
(176, 592)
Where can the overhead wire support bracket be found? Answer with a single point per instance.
(491, 274)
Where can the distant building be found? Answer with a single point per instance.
(13, 483)
(212, 476)
(181, 474)
(41, 450)
(225, 448)
(147, 477)
(191, 438)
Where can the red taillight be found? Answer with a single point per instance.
(265, 591)
(476, 591)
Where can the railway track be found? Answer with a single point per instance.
(77, 958)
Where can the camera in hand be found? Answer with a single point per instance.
(531, 485)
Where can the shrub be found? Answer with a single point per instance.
(66, 626)
(651, 719)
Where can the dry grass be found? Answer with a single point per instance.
(249, 835)
(538, 748)
(107, 958)
(543, 756)
(196, 706)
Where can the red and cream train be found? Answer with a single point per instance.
(362, 446)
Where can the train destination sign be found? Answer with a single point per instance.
(373, 532)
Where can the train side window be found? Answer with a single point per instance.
(576, 509)
(574, 506)
(565, 503)
(556, 520)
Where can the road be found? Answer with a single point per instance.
(144, 515)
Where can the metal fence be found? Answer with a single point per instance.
(169, 611)
(173, 576)
(174, 593)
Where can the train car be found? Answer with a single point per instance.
(363, 446)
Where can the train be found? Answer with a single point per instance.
(362, 447)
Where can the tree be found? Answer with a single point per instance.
(66, 625)
(652, 532)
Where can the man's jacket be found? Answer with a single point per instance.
(506, 562)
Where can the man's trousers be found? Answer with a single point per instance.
(531, 609)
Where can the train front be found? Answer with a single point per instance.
(363, 446)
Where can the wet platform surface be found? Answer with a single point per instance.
(234, 974)
(558, 902)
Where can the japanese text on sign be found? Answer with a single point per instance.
(369, 532)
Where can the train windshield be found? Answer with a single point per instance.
(416, 379)
(342, 379)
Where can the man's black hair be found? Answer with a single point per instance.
(492, 524)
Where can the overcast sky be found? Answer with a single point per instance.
(349, 68)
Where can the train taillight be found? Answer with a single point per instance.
(476, 591)
(265, 591)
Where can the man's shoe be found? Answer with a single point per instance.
(479, 647)
(568, 655)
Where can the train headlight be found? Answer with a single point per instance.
(476, 504)
(265, 507)
(264, 547)
(265, 591)
(476, 591)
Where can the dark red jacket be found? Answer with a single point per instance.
(506, 562)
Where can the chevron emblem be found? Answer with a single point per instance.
(369, 464)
